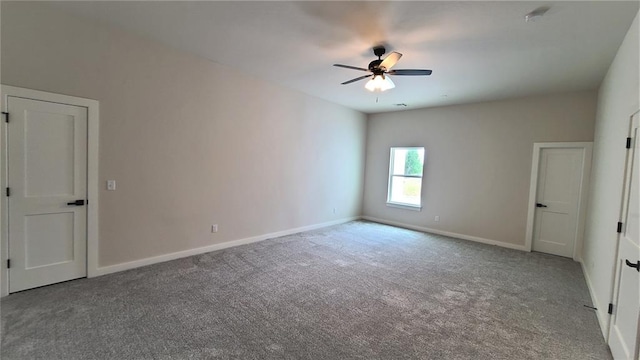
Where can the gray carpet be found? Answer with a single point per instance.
(354, 291)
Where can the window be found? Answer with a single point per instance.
(405, 177)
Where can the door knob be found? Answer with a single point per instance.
(540, 205)
(636, 265)
(76, 203)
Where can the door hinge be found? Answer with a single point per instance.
(6, 116)
(619, 227)
(8, 191)
(8, 263)
(610, 310)
(628, 143)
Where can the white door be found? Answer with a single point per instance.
(623, 336)
(47, 174)
(560, 173)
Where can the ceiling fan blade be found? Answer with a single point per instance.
(390, 60)
(410, 72)
(350, 67)
(357, 79)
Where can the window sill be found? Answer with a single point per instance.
(404, 206)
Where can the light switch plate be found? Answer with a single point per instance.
(111, 185)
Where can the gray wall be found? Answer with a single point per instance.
(618, 99)
(478, 160)
(190, 142)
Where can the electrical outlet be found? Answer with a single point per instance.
(437, 218)
(111, 185)
(214, 228)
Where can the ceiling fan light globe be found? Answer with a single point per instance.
(370, 85)
(379, 83)
(388, 84)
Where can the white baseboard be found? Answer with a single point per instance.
(447, 233)
(205, 249)
(601, 313)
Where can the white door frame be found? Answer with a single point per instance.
(587, 148)
(93, 127)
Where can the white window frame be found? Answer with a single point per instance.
(390, 180)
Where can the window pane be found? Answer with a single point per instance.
(407, 161)
(399, 156)
(413, 162)
(405, 190)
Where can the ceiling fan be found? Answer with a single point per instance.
(379, 69)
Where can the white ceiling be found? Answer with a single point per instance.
(477, 50)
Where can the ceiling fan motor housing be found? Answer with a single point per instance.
(374, 65)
